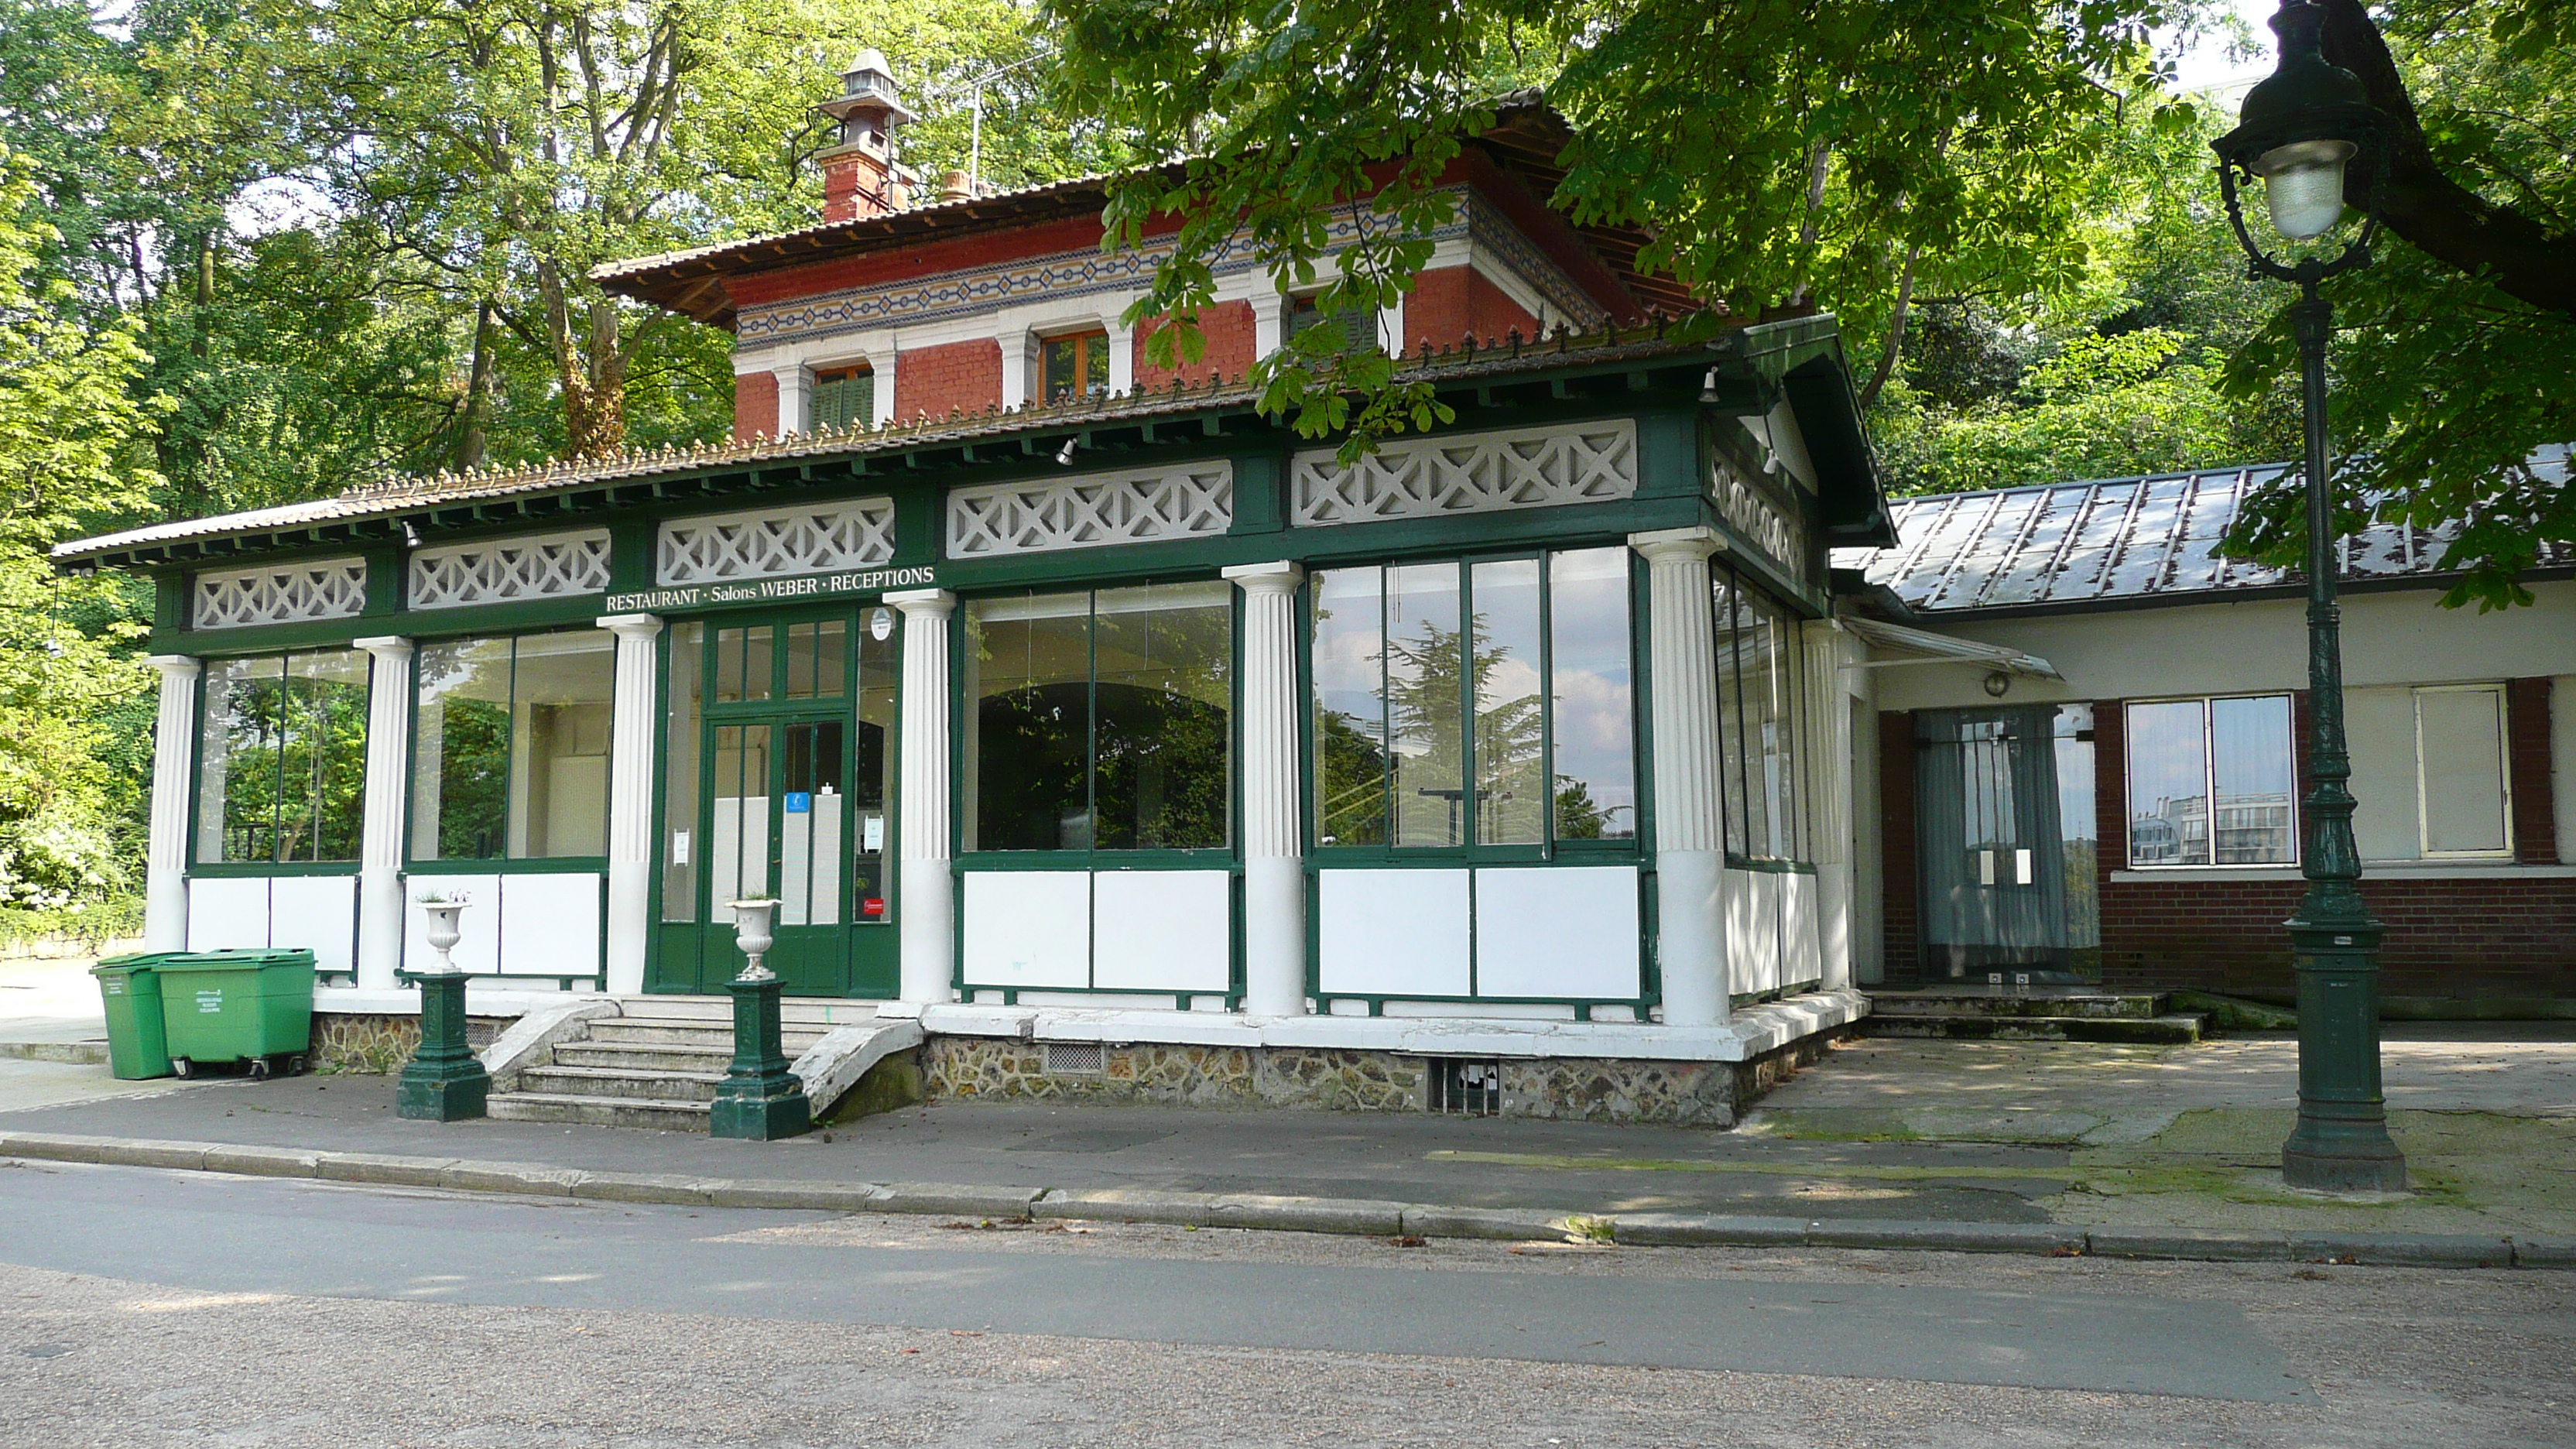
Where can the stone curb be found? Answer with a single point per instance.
(1357, 1216)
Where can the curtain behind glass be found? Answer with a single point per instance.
(1990, 840)
(2252, 773)
(2168, 784)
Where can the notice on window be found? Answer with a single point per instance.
(872, 834)
(800, 802)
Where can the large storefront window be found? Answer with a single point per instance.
(1101, 720)
(1761, 702)
(282, 760)
(1484, 702)
(510, 750)
(2211, 782)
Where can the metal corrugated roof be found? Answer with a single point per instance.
(2115, 539)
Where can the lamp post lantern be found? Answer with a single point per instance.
(2299, 132)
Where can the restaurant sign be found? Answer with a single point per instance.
(772, 591)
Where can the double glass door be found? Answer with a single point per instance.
(2004, 816)
(795, 768)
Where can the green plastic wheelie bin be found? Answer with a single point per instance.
(129, 989)
(251, 1006)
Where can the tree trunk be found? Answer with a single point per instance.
(471, 443)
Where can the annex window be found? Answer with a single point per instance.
(1074, 366)
(842, 397)
(1358, 327)
(2212, 782)
(2461, 795)
(510, 747)
(1484, 702)
(1100, 720)
(282, 758)
(1761, 705)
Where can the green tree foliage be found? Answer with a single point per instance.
(68, 456)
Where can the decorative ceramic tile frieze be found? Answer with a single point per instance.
(510, 570)
(1469, 473)
(293, 593)
(1091, 510)
(770, 542)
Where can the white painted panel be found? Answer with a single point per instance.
(1162, 930)
(2379, 727)
(1802, 956)
(318, 913)
(478, 947)
(1392, 932)
(223, 914)
(1752, 932)
(1028, 928)
(1563, 931)
(550, 923)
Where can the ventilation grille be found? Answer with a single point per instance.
(1465, 1089)
(1076, 1058)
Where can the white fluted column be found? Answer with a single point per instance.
(1829, 820)
(1274, 867)
(1690, 812)
(634, 723)
(380, 842)
(174, 756)
(927, 895)
(1122, 358)
(794, 388)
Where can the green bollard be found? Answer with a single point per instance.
(445, 1081)
(760, 1100)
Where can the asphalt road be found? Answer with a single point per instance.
(147, 1308)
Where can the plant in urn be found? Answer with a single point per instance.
(445, 1081)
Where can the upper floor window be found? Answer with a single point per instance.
(1483, 702)
(1358, 326)
(1100, 720)
(842, 397)
(1075, 365)
(2212, 782)
(510, 747)
(282, 758)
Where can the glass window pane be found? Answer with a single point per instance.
(832, 658)
(1511, 783)
(1164, 692)
(1059, 369)
(759, 678)
(1028, 744)
(1731, 620)
(1592, 725)
(1095, 363)
(2257, 779)
(322, 781)
(559, 746)
(2460, 739)
(1426, 699)
(801, 641)
(1753, 683)
(872, 777)
(738, 845)
(1350, 709)
(2168, 784)
(461, 751)
(729, 651)
(1780, 735)
(244, 708)
(681, 846)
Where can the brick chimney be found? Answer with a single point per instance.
(860, 175)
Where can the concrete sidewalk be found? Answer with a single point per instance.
(1962, 1132)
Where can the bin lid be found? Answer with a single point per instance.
(246, 958)
(131, 961)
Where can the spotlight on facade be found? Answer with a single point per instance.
(1064, 455)
(1998, 683)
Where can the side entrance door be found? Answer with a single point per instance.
(798, 773)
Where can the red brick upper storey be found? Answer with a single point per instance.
(949, 303)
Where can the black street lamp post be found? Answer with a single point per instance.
(2296, 133)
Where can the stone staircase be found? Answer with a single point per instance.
(2031, 1013)
(656, 1065)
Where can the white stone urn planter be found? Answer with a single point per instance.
(751, 931)
(444, 932)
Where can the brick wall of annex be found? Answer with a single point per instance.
(1449, 303)
(755, 405)
(963, 376)
(1228, 327)
(2449, 938)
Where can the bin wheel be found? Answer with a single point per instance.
(182, 1067)
(295, 1066)
(259, 1069)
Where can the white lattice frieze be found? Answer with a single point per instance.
(332, 588)
(1470, 473)
(774, 542)
(508, 570)
(1091, 510)
(1753, 516)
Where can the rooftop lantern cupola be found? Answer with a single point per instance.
(861, 177)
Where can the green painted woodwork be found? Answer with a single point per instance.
(760, 1099)
(445, 1081)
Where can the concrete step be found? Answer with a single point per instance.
(2134, 1006)
(622, 1084)
(643, 1058)
(630, 1031)
(794, 1010)
(667, 1116)
(2176, 1028)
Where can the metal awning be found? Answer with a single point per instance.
(1925, 647)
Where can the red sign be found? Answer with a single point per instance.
(873, 906)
